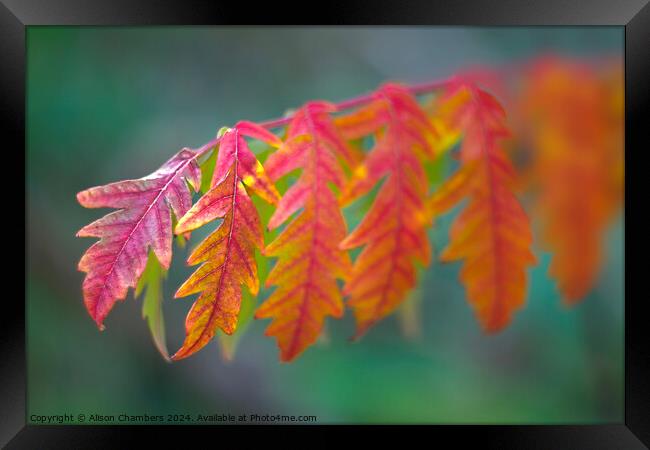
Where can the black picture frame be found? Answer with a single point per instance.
(633, 15)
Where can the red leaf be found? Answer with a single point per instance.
(117, 260)
(394, 230)
(309, 259)
(233, 147)
(492, 233)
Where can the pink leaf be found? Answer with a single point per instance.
(117, 260)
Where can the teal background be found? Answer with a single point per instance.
(105, 104)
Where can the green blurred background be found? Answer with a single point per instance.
(105, 104)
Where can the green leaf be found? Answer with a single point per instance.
(438, 169)
(207, 169)
(409, 316)
(152, 305)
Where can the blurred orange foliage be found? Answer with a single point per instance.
(573, 116)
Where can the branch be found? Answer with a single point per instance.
(416, 89)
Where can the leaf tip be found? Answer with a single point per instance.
(182, 353)
(181, 227)
(361, 331)
(288, 357)
(82, 197)
(345, 244)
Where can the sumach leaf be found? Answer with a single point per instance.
(575, 121)
(117, 260)
(228, 254)
(309, 258)
(492, 233)
(393, 232)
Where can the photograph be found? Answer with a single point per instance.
(325, 225)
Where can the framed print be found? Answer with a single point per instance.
(401, 216)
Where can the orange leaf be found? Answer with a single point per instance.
(492, 233)
(576, 128)
(394, 230)
(228, 254)
(365, 120)
(309, 259)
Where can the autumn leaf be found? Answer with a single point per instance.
(117, 260)
(228, 254)
(310, 261)
(229, 343)
(393, 232)
(443, 113)
(492, 233)
(575, 126)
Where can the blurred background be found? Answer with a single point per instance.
(106, 104)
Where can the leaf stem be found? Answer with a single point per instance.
(416, 89)
(206, 147)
